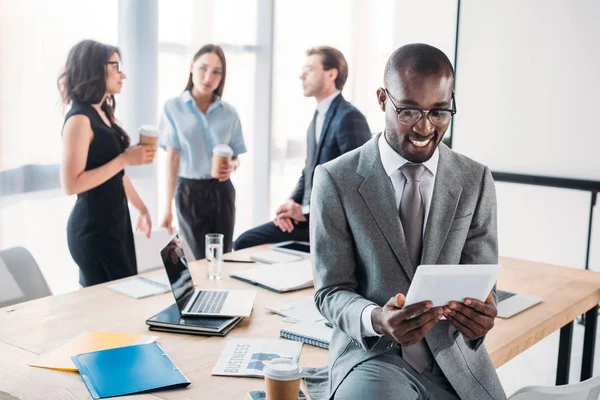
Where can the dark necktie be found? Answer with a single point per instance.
(412, 214)
(311, 162)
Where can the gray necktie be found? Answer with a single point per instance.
(412, 214)
(311, 152)
(412, 211)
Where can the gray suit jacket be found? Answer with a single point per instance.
(360, 257)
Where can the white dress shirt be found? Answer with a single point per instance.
(322, 108)
(392, 162)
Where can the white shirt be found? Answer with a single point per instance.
(392, 162)
(322, 109)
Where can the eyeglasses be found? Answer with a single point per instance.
(412, 115)
(117, 64)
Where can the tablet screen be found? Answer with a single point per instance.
(305, 248)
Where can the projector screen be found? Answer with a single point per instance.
(528, 86)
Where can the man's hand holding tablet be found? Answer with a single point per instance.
(407, 325)
(461, 293)
(473, 318)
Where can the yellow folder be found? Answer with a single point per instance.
(60, 357)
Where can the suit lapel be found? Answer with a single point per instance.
(444, 201)
(328, 117)
(378, 194)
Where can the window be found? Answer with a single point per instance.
(366, 32)
(35, 38)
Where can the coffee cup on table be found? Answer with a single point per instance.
(148, 135)
(222, 154)
(282, 379)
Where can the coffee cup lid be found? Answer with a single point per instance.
(282, 369)
(222, 150)
(148, 130)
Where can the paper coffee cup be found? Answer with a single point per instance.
(282, 379)
(221, 154)
(148, 135)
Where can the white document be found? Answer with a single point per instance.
(278, 277)
(303, 309)
(245, 356)
(141, 287)
(442, 284)
(275, 257)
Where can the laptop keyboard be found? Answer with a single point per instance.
(209, 302)
(502, 295)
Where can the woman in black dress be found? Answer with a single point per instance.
(95, 152)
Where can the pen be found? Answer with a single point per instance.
(241, 261)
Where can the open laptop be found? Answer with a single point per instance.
(510, 303)
(192, 301)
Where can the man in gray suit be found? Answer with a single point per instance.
(401, 200)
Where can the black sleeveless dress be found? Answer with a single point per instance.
(99, 231)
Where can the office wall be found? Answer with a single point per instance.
(528, 82)
(527, 78)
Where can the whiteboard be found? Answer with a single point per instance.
(528, 86)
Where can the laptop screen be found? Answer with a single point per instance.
(179, 275)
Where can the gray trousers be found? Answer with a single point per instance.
(388, 376)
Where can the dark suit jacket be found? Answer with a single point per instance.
(344, 129)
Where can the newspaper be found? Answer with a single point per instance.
(245, 356)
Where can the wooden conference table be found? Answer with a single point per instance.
(29, 329)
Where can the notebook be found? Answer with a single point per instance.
(310, 333)
(60, 357)
(170, 320)
(141, 287)
(279, 278)
(128, 370)
(274, 257)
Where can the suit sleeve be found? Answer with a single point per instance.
(298, 192)
(481, 246)
(354, 131)
(334, 261)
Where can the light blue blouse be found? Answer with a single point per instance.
(186, 128)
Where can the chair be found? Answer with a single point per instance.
(20, 277)
(586, 390)
(147, 250)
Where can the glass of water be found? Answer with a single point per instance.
(214, 255)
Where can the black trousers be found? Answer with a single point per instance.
(205, 206)
(270, 233)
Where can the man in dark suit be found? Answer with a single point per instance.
(337, 127)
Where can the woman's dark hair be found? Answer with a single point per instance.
(84, 79)
(210, 48)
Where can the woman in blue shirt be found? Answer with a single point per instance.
(191, 125)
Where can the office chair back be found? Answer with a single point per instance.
(586, 390)
(20, 277)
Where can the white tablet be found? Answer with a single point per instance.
(300, 248)
(441, 284)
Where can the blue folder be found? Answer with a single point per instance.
(128, 370)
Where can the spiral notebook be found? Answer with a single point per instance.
(315, 334)
(141, 287)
